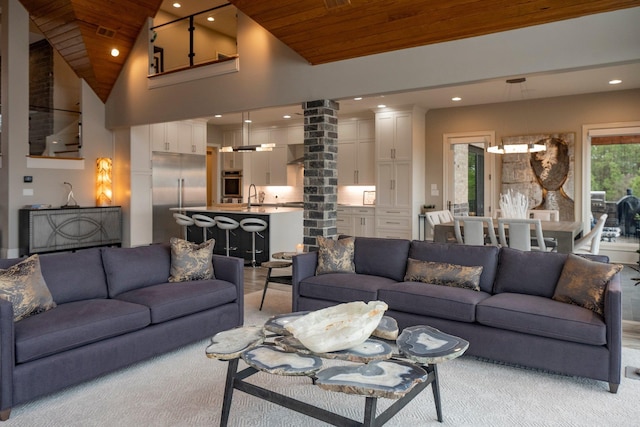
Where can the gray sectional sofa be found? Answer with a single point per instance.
(114, 308)
(512, 318)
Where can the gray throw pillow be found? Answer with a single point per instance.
(23, 285)
(335, 256)
(191, 261)
(583, 282)
(442, 273)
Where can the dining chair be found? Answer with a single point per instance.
(474, 230)
(438, 217)
(590, 242)
(545, 215)
(520, 233)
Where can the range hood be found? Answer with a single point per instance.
(296, 152)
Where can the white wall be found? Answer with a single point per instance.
(271, 74)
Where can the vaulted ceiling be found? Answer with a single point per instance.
(321, 31)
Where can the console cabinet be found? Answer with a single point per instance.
(65, 229)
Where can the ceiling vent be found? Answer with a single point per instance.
(332, 4)
(105, 32)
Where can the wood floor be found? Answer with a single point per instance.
(254, 281)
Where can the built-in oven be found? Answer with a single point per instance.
(231, 184)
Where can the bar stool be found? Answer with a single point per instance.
(227, 224)
(184, 221)
(204, 222)
(253, 226)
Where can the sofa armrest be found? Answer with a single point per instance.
(304, 265)
(231, 269)
(613, 319)
(7, 354)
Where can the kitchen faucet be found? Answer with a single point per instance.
(255, 194)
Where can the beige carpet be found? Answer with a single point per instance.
(185, 388)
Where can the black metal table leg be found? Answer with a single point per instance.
(228, 392)
(435, 386)
(370, 412)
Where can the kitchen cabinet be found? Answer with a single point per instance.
(186, 137)
(356, 153)
(233, 160)
(400, 172)
(192, 138)
(356, 221)
(164, 137)
(269, 167)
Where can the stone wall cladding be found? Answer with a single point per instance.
(320, 170)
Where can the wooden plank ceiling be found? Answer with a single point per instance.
(85, 31)
(322, 32)
(318, 30)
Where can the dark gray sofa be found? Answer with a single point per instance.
(511, 319)
(114, 308)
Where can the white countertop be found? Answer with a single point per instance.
(261, 210)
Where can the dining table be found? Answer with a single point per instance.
(565, 232)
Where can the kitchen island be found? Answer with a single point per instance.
(283, 233)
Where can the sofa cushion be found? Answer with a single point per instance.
(542, 316)
(432, 300)
(583, 282)
(381, 257)
(22, 284)
(335, 256)
(444, 274)
(133, 268)
(171, 300)
(467, 255)
(343, 287)
(531, 273)
(74, 276)
(75, 324)
(191, 261)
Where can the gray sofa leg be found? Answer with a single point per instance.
(613, 388)
(4, 414)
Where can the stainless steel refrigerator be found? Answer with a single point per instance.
(179, 180)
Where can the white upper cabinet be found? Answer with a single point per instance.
(188, 137)
(356, 152)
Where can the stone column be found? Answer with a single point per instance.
(320, 170)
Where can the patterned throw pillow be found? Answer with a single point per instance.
(191, 261)
(582, 282)
(335, 256)
(23, 285)
(440, 273)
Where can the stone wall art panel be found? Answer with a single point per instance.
(547, 178)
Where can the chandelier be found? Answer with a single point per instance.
(511, 148)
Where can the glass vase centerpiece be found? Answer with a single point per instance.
(514, 205)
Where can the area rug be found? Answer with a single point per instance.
(185, 388)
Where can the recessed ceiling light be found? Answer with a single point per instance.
(381, 106)
(115, 52)
(217, 116)
(286, 116)
(357, 98)
(176, 4)
(456, 99)
(211, 18)
(615, 82)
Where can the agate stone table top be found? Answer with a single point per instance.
(427, 345)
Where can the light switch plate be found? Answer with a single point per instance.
(27, 191)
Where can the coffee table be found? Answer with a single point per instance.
(379, 372)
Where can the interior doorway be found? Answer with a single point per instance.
(467, 184)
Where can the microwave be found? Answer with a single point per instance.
(232, 183)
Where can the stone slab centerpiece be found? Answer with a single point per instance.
(338, 327)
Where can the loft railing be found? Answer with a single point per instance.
(202, 38)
